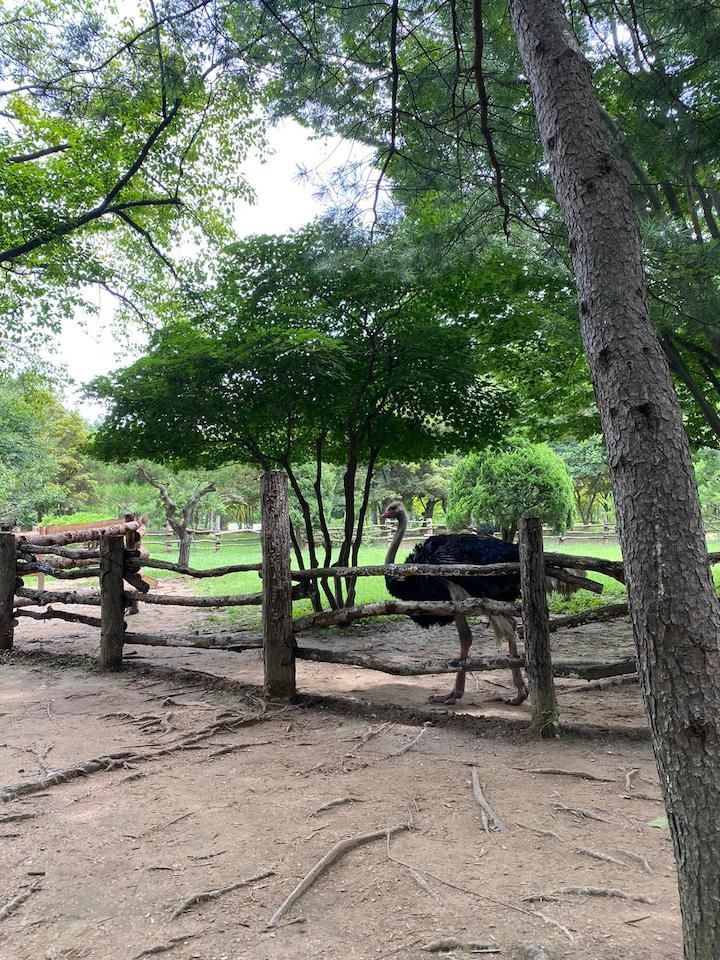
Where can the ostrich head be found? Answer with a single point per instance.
(393, 511)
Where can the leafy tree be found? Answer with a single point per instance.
(426, 483)
(586, 462)
(109, 145)
(41, 462)
(180, 519)
(311, 348)
(526, 480)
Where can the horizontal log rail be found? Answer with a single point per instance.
(65, 552)
(583, 669)
(388, 608)
(193, 572)
(84, 573)
(40, 598)
(66, 615)
(75, 536)
(400, 570)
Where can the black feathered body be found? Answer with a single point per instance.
(454, 550)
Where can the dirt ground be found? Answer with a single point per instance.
(105, 859)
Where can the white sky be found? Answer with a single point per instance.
(88, 349)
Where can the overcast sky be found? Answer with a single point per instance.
(283, 203)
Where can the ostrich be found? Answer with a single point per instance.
(458, 549)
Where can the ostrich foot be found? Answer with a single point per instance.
(520, 697)
(446, 698)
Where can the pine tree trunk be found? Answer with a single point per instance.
(675, 614)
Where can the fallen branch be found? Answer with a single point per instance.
(11, 905)
(14, 817)
(208, 895)
(494, 819)
(587, 892)
(340, 848)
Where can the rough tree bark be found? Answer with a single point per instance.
(675, 613)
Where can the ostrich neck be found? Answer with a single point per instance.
(397, 539)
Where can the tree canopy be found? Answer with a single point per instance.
(502, 486)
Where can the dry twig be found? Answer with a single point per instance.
(167, 945)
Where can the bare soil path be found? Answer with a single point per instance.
(107, 858)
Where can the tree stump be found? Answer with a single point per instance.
(8, 575)
(278, 638)
(536, 625)
(112, 602)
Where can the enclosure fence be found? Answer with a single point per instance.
(115, 556)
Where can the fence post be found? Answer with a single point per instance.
(112, 602)
(278, 637)
(8, 576)
(536, 624)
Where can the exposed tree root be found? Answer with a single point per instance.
(126, 757)
(579, 774)
(330, 857)
(490, 818)
(335, 803)
(582, 813)
(415, 740)
(11, 905)
(587, 892)
(208, 895)
(599, 855)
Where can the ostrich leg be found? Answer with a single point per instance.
(504, 629)
(466, 639)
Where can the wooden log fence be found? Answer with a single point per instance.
(121, 558)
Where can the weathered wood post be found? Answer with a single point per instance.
(112, 602)
(8, 576)
(278, 638)
(536, 624)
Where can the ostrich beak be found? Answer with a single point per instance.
(384, 516)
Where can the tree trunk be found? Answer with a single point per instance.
(184, 551)
(675, 613)
(278, 637)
